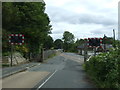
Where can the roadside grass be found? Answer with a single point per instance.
(4, 65)
(51, 56)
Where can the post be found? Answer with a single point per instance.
(42, 53)
(104, 43)
(11, 54)
(85, 51)
(94, 51)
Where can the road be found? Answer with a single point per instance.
(62, 71)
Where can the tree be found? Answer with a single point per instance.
(108, 40)
(68, 39)
(48, 43)
(28, 18)
(80, 42)
(58, 44)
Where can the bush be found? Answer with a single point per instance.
(104, 69)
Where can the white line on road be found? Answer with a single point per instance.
(46, 80)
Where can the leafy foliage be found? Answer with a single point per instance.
(48, 43)
(68, 40)
(68, 37)
(104, 69)
(28, 18)
(58, 44)
(80, 42)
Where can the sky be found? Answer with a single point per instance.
(83, 18)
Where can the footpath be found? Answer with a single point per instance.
(7, 71)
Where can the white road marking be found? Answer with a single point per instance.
(46, 80)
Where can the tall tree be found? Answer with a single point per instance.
(28, 18)
(80, 42)
(58, 44)
(68, 39)
(48, 43)
(108, 40)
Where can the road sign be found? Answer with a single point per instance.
(16, 39)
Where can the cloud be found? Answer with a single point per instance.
(108, 31)
(84, 18)
(82, 30)
(62, 15)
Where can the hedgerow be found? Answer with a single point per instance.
(104, 69)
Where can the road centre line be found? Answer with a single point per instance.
(46, 80)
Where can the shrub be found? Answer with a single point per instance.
(104, 69)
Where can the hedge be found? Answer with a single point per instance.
(104, 69)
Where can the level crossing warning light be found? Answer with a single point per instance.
(16, 39)
(94, 42)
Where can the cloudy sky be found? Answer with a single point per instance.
(83, 18)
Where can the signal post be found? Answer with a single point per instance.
(15, 39)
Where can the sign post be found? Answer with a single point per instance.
(85, 51)
(11, 54)
(15, 39)
(105, 42)
(94, 51)
(94, 42)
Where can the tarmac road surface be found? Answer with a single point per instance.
(62, 71)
